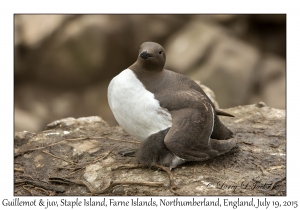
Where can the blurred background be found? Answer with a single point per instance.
(63, 63)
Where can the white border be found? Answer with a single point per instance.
(8, 8)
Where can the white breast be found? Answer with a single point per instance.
(135, 108)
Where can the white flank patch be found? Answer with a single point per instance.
(135, 108)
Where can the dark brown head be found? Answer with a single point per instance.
(152, 57)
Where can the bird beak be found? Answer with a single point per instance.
(145, 55)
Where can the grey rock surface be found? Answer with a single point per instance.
(80, 157)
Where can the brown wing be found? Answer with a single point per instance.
(189, 136)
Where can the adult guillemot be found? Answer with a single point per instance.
(169, 112)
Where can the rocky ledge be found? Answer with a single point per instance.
(80, 157)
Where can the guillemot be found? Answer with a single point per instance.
(167, 111)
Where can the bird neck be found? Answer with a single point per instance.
(150, 79)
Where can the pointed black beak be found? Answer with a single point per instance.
(145, 55)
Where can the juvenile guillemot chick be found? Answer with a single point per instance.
(169, 112)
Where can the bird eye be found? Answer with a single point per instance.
(160, 52)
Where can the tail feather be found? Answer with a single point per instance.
(222, 113)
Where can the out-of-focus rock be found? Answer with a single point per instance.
(26, 121)
(33, 29)
(190, 46)
(83, 49)
(63, 63)
(271, 81)
(230, 67)
(77, 51)
(225, 65)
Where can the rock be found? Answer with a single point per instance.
(261, 104)
(67, 122)
(190, 46)
(33, 29)
(22, 138)
(271, 81)
(25, 120)
(81, 156)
